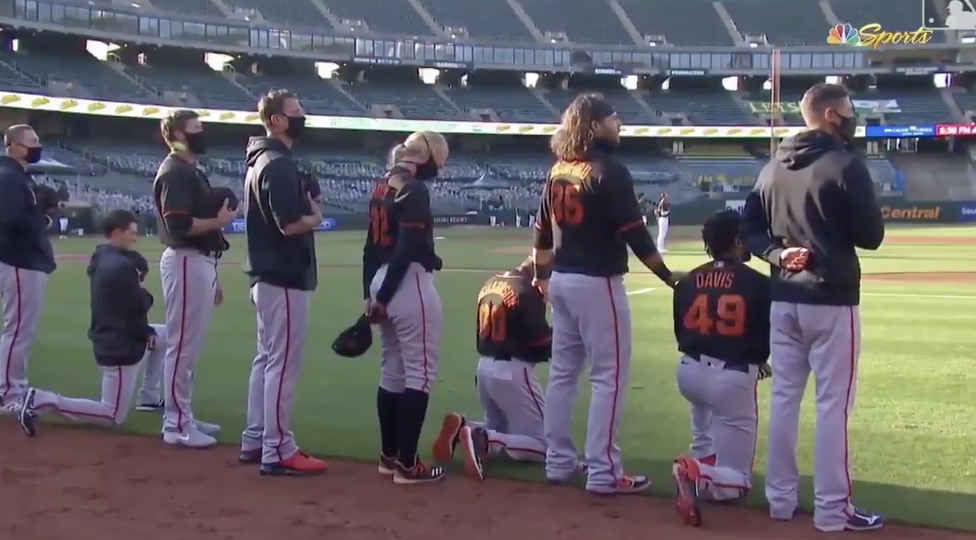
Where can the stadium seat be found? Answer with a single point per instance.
(487, 19)
(382, 16)
(581, 21)
(793, 22)
(693, 22)
(293, 12)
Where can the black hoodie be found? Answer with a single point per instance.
(275, 199)
(119, 329)
(24, 241)
(816, 193)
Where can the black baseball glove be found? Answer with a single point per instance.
(47, 199)
(311, 186)
(354, 341)
(765, 371)
(223, 193)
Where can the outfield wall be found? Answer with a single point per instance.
(894, 209)
(360, 221)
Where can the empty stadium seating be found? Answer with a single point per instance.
(317, 95)
(418, 102)
(797, 22)
(383, 16)
(511, 104)
(491, 19)
(294, 12)
(703, 108)
(580, 21)
(191, 7)
(90, 78)
(209, 87)
(692, 22)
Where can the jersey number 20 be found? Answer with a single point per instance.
(492, 323)
(728, 318)
(567, 209)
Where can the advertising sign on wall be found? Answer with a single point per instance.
(238, 226)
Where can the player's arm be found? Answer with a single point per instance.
(532, 308)
(629, 224)
(412, 207)
(14, 209)
(755, 230)
(677, 306)
(542, 237)
(289, 204)
(863, 213)
(176, 205)
(119, 286)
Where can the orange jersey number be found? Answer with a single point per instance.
(729, 316)
(492, 322)
(379, 224)
(567, 209)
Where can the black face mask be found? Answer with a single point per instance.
(427, 171)
(296, 125)
(847, 127)
(33, 154)
(195, 143)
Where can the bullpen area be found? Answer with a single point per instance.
(913, 433)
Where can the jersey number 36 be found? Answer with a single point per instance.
(567, 209)
(727, 317)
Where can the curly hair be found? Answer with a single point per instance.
(574, 138)
(721, 232)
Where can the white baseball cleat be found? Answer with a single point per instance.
(191, 439)
(207, 428)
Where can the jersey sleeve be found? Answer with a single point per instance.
(175, 194)
(619, 189)
(284, 193)
(542, 235)
(413, 206)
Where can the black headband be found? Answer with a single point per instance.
(601, 110)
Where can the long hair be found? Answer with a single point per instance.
(574, 138)
(418, 148)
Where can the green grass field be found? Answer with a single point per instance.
(913, 433)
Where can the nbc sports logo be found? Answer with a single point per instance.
(844, 34)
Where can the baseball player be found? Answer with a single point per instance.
(398, 285)
(513, 337)
(662, 211)
(588, 216)
(281, 219)
(122, 338)
(721, 324)
(26, 262)
(63, 226)
(190, 226)
(812, 206)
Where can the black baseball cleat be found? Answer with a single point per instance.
(27, 414)
(154, 406)
(420, 473)
(249, 457)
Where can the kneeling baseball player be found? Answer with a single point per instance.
(721, 323)
(122, 338)
(513, 337)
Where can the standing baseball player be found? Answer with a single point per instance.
(588, 217)
(122, 338)
(813, 204)
(513, 337)
(662, 211)
(63, 226)
(721, 324)
(280, 219)
(26, 262)
(190, 225)
(398, 286)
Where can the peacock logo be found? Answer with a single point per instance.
(844, 34)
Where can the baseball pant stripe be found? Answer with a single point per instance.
(281, 378)
(616, 381)
(847, 412)
(423, 332)
(528, 387)
(115, 410)
(13, 340)
(179, 349)
(499, 446)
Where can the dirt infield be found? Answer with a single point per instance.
(81, 484)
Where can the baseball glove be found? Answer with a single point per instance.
(354, 341)
(765, 371)
(311, 186)
(223, 193)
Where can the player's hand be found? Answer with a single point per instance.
(795, 258)
(765, 371)
(542, 285)
(375, 312)
(676, 277)
(225, 215)
(151, 344)
(219, 295)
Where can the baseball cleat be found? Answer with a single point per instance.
(190, 439)
(27, 414)
(151, 407)
(420, 473)
(300, 464)
(686, 475)
(207, 427)
(387, 465)
(447, 439)
(859, 521)
(625, 486)
(249, 457)
(474, 445)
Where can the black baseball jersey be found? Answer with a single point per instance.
(401, 231)
(721, 309)
(586, 211)
(182, 192)
(662, 209)
(511, 320)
